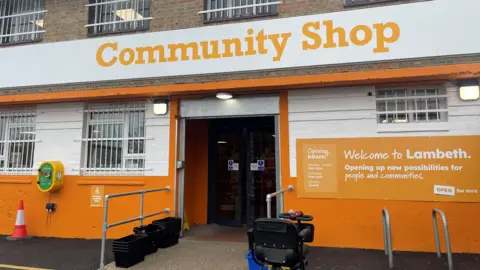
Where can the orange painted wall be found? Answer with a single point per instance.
(358, 223)
(74, 218)
(196, 171)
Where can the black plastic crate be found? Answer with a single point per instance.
(172, 225)
(169, 240)
(312, 228)
(154, 234)
(128, 251)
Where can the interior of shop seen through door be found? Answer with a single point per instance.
(242, 171)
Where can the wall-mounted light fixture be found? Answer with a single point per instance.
(469, 89)
(224, 95)
(160, 106)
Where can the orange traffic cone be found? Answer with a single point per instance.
(20, 231)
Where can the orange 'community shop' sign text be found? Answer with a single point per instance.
(407, 168)
(315, 35)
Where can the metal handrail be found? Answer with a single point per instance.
(273, 195)
(107, 226)
(447, 236)
(387, 236)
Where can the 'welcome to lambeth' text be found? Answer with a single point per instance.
(316, 35)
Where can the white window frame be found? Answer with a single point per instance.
(125, 109)
(22, 21)
(232, 10)
(118, 5)
(410, 110)
(18, 119)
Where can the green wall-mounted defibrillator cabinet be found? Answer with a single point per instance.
(50, 176)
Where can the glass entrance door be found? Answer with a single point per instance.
(227, 152)
(242, 169)
(261, 170)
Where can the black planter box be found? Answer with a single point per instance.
(154, 234)
(172, 225)
(169, 240)
(129, 250)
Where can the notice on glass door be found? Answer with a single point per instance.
(319, 167)
(232, 166)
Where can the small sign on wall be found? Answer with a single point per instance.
(97, 195)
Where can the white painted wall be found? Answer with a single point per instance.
(59, 130)
(347, 112)
(58, 126)
(238, 106)
(158, 142)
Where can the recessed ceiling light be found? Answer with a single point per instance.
(221, 142)
(224, 95)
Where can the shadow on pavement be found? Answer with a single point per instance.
(54, 253)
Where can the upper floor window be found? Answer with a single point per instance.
(17, 141)
(407, 105)
(21, 21)
(221, 10)
(114, 139)
(117, 16)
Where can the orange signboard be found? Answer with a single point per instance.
(436, 168)
(97, 193)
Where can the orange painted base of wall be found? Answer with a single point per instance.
(358, 223)
(74, 218)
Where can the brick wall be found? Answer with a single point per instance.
(65, 20)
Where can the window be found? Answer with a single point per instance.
(21, 21)
(114, 139)
(411, 105)
(117, 16)
(221, 10)
(17, 141)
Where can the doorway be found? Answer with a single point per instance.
(242, 169)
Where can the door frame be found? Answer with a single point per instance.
(179, 176)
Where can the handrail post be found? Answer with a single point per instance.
(273, 195)
(142, 196)
(104, 232)
(106, 226)
(447, 236)
(387, 236)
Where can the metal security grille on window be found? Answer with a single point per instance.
(21, 20)
(114, 139)
(17, 141)
(114, 16)
(219, 10)
(411, 105)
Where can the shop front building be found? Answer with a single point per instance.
(359, 105)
